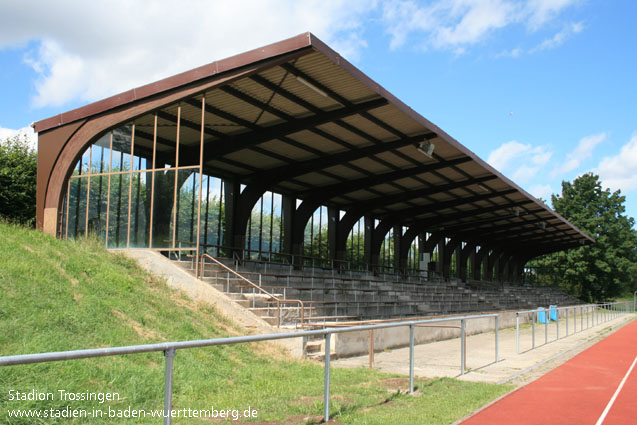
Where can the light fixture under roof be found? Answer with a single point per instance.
(426, 148)
(311, 86)
(516, 211)
(541, 225)
(483, 188)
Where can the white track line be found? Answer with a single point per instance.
(612, 400)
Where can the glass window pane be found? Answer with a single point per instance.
(187, 204)
(211, 213)
(163, 199)
(166, 138)
(77, 207)
(121, 149)
(101, 155)
(118, 211)
(97, 206)
(143, 142)
(140, 207)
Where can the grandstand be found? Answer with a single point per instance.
(288, 179)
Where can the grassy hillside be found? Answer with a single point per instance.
(63, 295)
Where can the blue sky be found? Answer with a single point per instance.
(544, 90)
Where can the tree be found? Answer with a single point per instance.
(602, 270)
(18, 170)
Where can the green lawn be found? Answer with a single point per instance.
(63, 295)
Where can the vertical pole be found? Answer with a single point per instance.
(497, 327)
(371, 348)
(557, 323)
(168, 385)
(517, 333)
(581, 318)
(411, 359)
(567, 321)
(463, 347)
(533, 329)
(546, 327)
(326, 390)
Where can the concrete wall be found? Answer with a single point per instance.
(357, 343)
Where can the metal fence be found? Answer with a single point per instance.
(589, 315)
(170, 348)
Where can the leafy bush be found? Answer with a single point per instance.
(18, 169)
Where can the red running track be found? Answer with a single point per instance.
(579, 391)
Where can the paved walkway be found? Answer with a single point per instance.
(443, 358)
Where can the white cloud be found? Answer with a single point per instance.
(92, 49)
(559, 38)
(584, 150)
(542, 11)
(8, 133)
(455, 24)
(543, 191)
(509, 156)
(620, 171)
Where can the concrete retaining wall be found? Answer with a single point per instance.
(357, 343)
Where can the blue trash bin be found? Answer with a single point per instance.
(542, 315)
(553, 313)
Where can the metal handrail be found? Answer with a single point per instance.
(608, 311)
(278, 300)
(169, 349)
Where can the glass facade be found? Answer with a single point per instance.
(147, 184)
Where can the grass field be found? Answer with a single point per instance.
(62, 295)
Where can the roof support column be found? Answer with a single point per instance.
(480, 264)
(440, 264)
(493, 263)
(231, 193)
(288, 204)
(405, 245)
(336, 250)
(428, 247)
(368, 245)
(505, 267)
(399, 252)
(467, 252)
(377, 240)
(449, 249)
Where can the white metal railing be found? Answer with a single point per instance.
(170, 348)
(595, 314)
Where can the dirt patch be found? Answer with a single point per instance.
(399, 384)
(138, 327)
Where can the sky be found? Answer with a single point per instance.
(543, 90)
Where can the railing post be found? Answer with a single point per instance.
(581, 318)
(326, 387)
(533, 329)
(497, 327)
(411, 359)
(371, 348)
(567, 321)
(546, 327)
(463, 347)
(168, 386)
(517, 333)
(557, 323)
